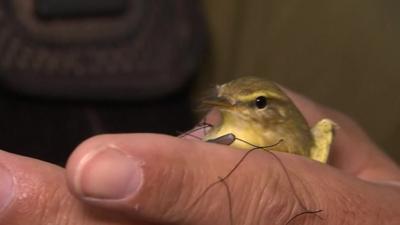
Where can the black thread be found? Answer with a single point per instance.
(203, 125)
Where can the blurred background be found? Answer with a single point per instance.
(72, 69)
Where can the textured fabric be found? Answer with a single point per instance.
(343, 53)
(49, 129)
(149, 50)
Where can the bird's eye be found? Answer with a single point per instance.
(261, 102)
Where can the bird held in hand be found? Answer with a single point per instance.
(256, 112)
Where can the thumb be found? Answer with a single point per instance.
(163, 179)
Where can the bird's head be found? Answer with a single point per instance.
(253, 99)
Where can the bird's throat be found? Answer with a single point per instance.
(244, 130)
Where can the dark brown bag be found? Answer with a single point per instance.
(99, 49)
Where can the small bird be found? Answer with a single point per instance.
(256, 112)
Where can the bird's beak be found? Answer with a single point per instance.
(221, 102)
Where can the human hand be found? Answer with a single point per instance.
(164, 180)
(361, 189)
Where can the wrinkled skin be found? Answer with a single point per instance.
(362, 185)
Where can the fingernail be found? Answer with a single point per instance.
(109, 174)
(6, 188)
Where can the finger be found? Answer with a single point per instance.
(352, 149)
(200, 130)
(157, 178)
(35, 193)
(168, 180)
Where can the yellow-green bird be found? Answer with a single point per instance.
(256, 112)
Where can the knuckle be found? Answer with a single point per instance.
(174, 194)
(291, 201)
